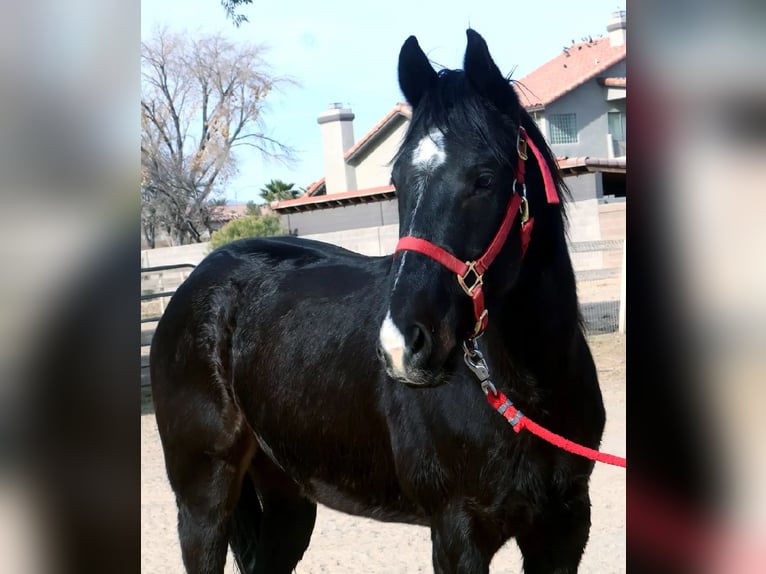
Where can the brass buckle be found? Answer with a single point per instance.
(476, 282)
(521, 145)
(477, 328)
(524, 210)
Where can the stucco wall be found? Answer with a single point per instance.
(374, 169)
(193, 254)
(585, 186)
(342, 218)
(589, 103)
(378, 240)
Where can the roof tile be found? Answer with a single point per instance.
(562, 74)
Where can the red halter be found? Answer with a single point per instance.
(470, 274)
(473, 288)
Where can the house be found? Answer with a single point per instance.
(354, 204)
(578, 101)
(220, 215)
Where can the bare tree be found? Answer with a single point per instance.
(200, 100)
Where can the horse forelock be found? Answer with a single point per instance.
(454, 109)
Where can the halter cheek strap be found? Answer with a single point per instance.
(470, 274)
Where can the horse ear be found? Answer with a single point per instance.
(416, 76)
(482, 72)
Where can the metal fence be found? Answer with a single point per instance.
(157, 285)
(599, 272)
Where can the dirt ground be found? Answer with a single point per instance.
(347, 544)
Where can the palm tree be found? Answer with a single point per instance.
(278, 190)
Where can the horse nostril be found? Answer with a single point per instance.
(419, 345)
(418, 339)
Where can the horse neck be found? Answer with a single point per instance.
(535, 328)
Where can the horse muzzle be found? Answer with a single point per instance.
(411, 357)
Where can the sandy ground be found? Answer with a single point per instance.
(348, 544)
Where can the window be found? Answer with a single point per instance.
(616, 122)
(563, 128)
(617, 125)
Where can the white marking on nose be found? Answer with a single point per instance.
(392, 343)
(429, 153)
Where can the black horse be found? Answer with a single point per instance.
(289, 372)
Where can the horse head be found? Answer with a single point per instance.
(455, 176)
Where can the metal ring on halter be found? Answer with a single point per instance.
(523, 188)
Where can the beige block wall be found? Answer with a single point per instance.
(589, 221)
(165, 281)
(612, 222)
(375, 169)
(584, 226)
(193, 254)
(374, 241)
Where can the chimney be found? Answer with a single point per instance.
(617, 28)
(337, 127)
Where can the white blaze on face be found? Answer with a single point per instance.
(392, 343)
(430, 154)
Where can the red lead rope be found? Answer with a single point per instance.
(519, 421)
(470, 277)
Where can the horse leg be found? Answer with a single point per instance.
(286, 520)
(457, 547)
(245, 527)
(555, 542)
(207, 453)
(286, 529)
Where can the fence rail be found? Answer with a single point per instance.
(167, 280)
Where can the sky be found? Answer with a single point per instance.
(347, 52)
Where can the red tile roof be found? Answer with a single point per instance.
(567, 71)
(399, 110)
(314, 187)
(575, 165)
(614, 82)
(334, 199)
(228, 212)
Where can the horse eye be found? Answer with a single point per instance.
(484, 181)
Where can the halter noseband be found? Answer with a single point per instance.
(470, 274)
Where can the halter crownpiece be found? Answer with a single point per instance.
(470, 274)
